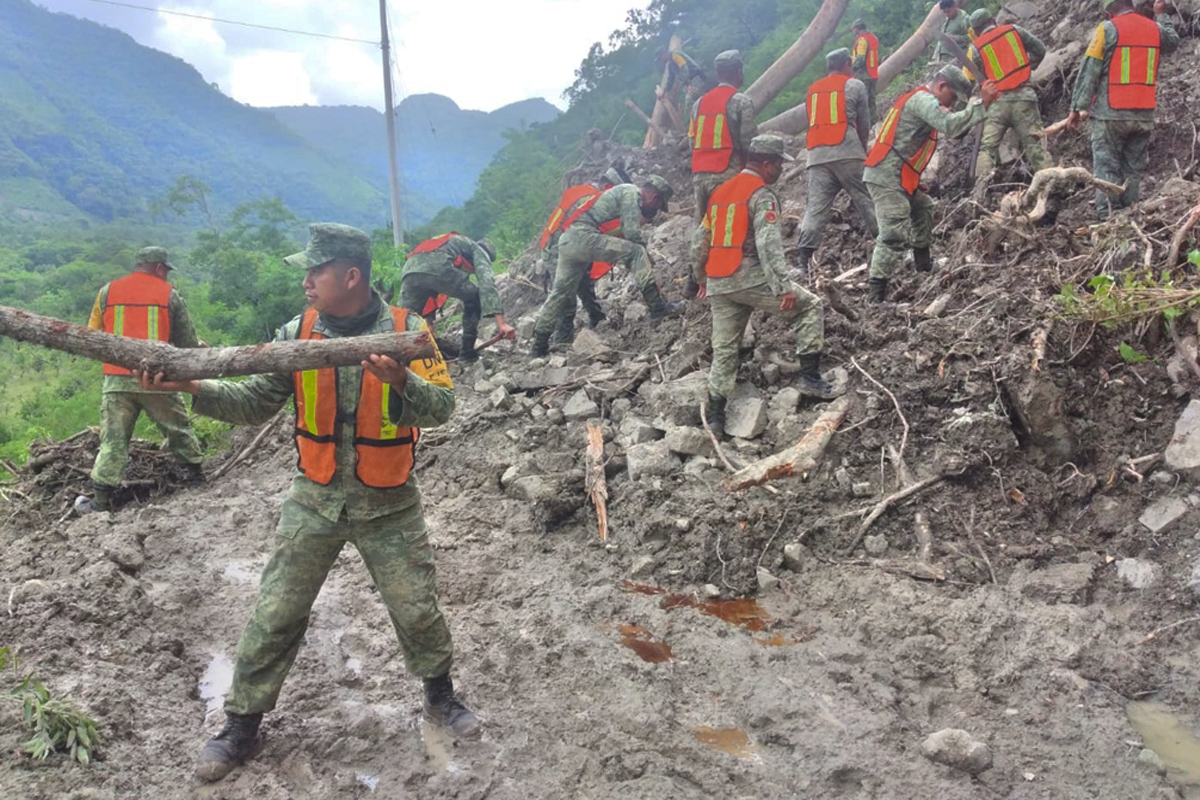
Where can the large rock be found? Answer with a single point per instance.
(957, 749)
(746, 417)
(689, 442)
(1163, 513)
(1058, 583)
(533, 488)
(651, 459)
(783, 404)
(634, 431)
(678, 402)
(1137, 573)
(589, 344)
(580, 406)
(1183, 452)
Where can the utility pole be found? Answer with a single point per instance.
(390, 112)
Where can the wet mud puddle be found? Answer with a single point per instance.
(734, 741)
(1170, 738)
(641, 641)
(743, 612)
(215, 682)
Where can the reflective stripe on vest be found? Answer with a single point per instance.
(384, 451)
(1004, 58)
(827, 124)
(872, 53)
(1133, 71)
(712, 141)
(729, 223)
(570, 197)
(136, 306)
(885, 142)
(429, 245)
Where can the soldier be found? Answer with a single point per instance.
(742, 268)
(606, 229)
(954, 26)
(903, 148)
(866, 63)
(1116, 83)
(722, 125)
(453, 265)
(142, 305)
(571, 200)
(682, 71)
(1008, 54)
(355, 432)
(838, 124)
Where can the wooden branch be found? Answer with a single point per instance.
(1045, 183)
(673, 113)
(921, 527)
(1180, 235)
(250, 448)
(716, 442)
(594, 483)
(180, 364)
(659, 112)
(798, 459)
(645, 118)
(797, 57)
(887, 502)
(1059, 127)
(1040, 337)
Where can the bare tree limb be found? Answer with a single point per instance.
(797, 57)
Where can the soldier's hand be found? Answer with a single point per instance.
(702, 291)
(1073, 120)
(788, 302)
(989, 93)
(506, 331)
(387, 371)
(155, 383)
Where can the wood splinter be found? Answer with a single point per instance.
(594, 483)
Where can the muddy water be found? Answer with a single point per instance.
(215, 682)
(734, 741)
(641, 641)
(1167, 735)
(745, 612)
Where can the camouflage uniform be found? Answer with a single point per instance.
(740, 120)
(1120, 137)
(427, 275)
(758, 284)
(860, 73)
(906, 221)
(122, 400)
(1015, 110)
(683, 70)
(958, 30)
(831, 169)
(565, 332)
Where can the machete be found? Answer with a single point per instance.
(977, 133)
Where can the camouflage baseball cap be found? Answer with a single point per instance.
(727, 58)
(959, 82)
(489, 249)
(838, 59)
(979, 19)
(153, 255)
(330, 240)
(769, 145)
(660, 185)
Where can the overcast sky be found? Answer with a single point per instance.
(483, 54)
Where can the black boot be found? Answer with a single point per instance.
(877, 290)
(194, 474)
(812, 383)
(806, 257)
(660, 308)
(587, 296)
(541, 344)
(922, 262)
(596, 316)
(470, 333)
(443, 708)
(236, 742)
(564, 334)
(716, 415)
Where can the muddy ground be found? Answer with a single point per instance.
(1061, 609)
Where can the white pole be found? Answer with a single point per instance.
(390, 113)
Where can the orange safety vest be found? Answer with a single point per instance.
(136, 307)
(570, 197)
(1133, 71)
(599, 269)
(729, 223)
(385, 452)
(434, 304)
(885, 142)
(1004, 58)
(872, 53)
(827, 123)
(712, 141)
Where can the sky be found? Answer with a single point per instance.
(483, 54)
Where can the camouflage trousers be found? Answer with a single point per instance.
(1120, 149)
(871, 106)
(731, 312)
(396, 551)
(825, 181)
(417, 289)
(578, 249)
(705, 183)
(905, 221)
(565, 331)
(119, 413)
(1021, 116)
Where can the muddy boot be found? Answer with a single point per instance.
(922, 262)
(812, 383)
(660, 308)
(565, 333)
(877, 290)
(101, 500)
(236, 742)
(194, 474)
(806, 257)
(595, 317)
(443, 708)
(716, 415)
(541, 344)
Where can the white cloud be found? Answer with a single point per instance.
(271, 79)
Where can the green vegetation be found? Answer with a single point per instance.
(57, 723)
(1131, 296)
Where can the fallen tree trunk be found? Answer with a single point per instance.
(180, 364)
(594, 483)
(645, 118)
(1045, 183)
(799, 55)
(798, 459)
(661, 121)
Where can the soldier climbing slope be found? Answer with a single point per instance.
(721, 129)
(955, 26)
(866, 63)
(682, 71)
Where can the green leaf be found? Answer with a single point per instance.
(1130, 355)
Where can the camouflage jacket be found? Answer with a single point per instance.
(620, 202)
(183, 334)
(441, 260)
(922, 113)
(763, 259)
(1091, 85)
(858, 115)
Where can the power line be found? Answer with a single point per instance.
(236, 22)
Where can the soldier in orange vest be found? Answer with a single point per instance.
(1116, 83)
(142, 305)
(866, 62)
(838, 125)
(742, 267)
(722, 126)
(355, 433)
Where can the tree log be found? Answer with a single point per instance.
(662, 120)
(180, 364)
(645, 118)
(798, 459)
(799, 55)
(594, 483)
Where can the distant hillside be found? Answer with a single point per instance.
(442, 147)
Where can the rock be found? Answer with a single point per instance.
(542, 378)
(619, 408)
(633, 431)
(711, 591)
(686, 359)
(537, 413)
(1152, 760)
(580, 406)
(746, 417)
(500, 398)
(510, 475)
(794, 556)
(766, 581)
(678, 402)
(770, 373)
(643, 567)
(557, 361)
(1163, 513)
(938, 305)
(532, 488)
(683, 524)
(689, 442)
(1183, 451)
(589, 345)
(783, 404)
(957, 749)
(483, 386)
(1058, 583)
(1137, 573)
(862, 489)
(1039, 406)
(1109, 515)
(635, 314)
(697, 466)
(842, 476)
(876, 545)
(123, 550)
(1194, 578)
(1023, 9)
(525, 327)
(650, 459)
(555, 416)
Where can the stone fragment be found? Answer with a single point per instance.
(483, 386)
(555, 416)
(770, 373)
(580, 406)
(619, 408)
(1152, 760)
(842, 476)
(1183, 451)
(746, 418)
(557, 361)
(711, 591)
(794, 556)
(766, 581)
(634, 431)
(862, 489)
(651, 459)
(1057, 583)
(643, 567)
(689, 442)
(532, 488)
(697, 466)
(875, 545)
(1162, 513)
(500, 399)
(678, 402)
(590, 345)
(957, 749)
(635, 314)
(123, 550)
(510, 475)
(783, 404)
(525, 327)
(1138, 573)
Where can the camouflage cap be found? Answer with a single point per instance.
(858, 25)
(728, 58)
(769, 144)
(489, 249)
(330, 240)
(838, 59)
(959, 82)
(153, 255)
(979, 19)
(660, 185)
